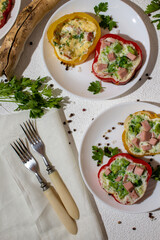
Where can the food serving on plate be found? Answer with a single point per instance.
(141, 135)
(73, 37)
(116, 59)
(5, 8)
(125, 178)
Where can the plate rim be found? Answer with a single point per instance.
(80, 153)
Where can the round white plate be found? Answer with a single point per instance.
(94, 135)
(11, 18)
(78, 79)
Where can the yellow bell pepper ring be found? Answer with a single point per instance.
(73, 37)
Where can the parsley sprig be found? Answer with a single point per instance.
(153, 7)
(33, 95)
(99, 153)
(95, 87)
(106, 21)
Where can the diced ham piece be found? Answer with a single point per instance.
(131, 56)
(153, 141)
(112, 40)
(125, 178)
(118, 179)
(122, 72)
(128, 186)
(90, 36)
(105, 44)
(145, 136)
(147, 147)
(136, 142)
(107, 172)
(146, 126)
(111, 56)
(139, 170)
(130, 167)
(133, 195)
(101, 66)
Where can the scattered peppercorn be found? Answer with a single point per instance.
(74, 130)
(113, 128)
(140, 79)
(71, 115)
(30, 43)
(64, 123)
(151, 216)
(147, 74)
(69, 132)
(106, 138)
(51, 85)
(134, 228)
(99, 144)
(84, 109)
(108, 144)
(109, 130)
(149, 78)
(119, 222)
(120, 123)
(69, 121)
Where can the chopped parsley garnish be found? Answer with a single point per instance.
(153, 7)
(95, 87)
(33, 95)
(99, 153)
(106, 20)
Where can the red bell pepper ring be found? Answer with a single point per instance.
(5, 13)
(124, 41)
(134, 160)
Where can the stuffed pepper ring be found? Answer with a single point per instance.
(73, 37)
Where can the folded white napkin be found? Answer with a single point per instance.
(24, 211)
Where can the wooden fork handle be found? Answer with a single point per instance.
(61, 212)
(64, 194)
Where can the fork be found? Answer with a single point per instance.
(38, 145)
(30, 162)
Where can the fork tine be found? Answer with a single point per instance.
(27, 134)
(33, 130)
(19, 153)
(24, 148)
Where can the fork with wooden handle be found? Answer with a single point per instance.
(37, 144)
(30, 163)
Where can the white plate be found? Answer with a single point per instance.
(77, 82)
(89, 169)
(11, 18)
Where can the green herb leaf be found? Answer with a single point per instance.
(153, 6)
(107, 22)
(95, 87)
(33, 95)
(110, 152)
(156, 173)
(101, 7)
(98, 154)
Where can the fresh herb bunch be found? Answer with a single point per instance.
(106, 21)
(99, 153)
(33, 95)
(95, 87)
(153, 7)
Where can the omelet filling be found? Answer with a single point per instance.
(143, 134)
(73, 38)
(124, 181)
